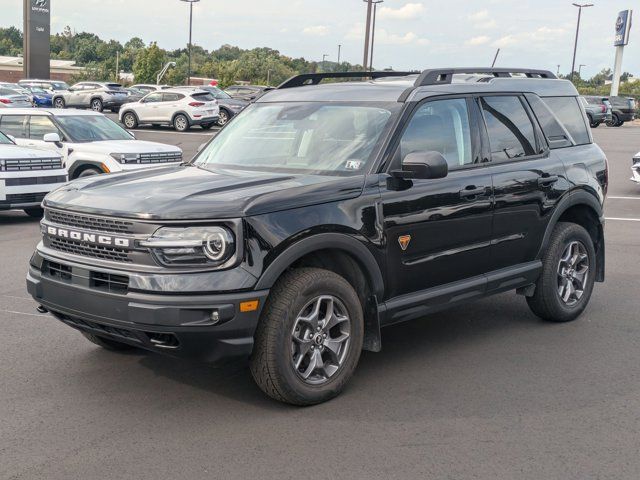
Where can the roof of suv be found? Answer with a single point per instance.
(401, 87)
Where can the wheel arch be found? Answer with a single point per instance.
(80, 165)
(584, 209)
(345, 256)
(181, 112)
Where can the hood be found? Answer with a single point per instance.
(188, 192)
(14, 152)
(123, 146)
(233, 102)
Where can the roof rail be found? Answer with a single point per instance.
(316, 78)
(442, 76)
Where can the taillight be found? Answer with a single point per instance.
(196, 104)
(603, 108)
(5, 100)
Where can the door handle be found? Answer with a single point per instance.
(548, 180)
(472, 191)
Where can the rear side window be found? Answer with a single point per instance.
(13, 125)
(511, 133)
(203, 97)
(568, 111)
(172, 97)
(556, 135)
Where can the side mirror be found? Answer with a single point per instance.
(52, 138)
(425, 165)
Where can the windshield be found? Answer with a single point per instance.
(320, 138)
(4, 140)
(91, 128)
(217, 93)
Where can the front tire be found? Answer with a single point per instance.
(181, 123)
(614, 121)
(568, 274)
(96, 105)
(59, 103)
(223, 117)
(107, 343)
(130, 120)
(309, 338)
(88, 172)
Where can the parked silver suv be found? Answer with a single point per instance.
(94, 95)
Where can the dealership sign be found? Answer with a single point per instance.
(37, 27)
(623, 27)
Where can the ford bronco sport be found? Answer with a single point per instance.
(326, 211)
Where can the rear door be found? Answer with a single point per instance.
(528, 179)
(169, 105)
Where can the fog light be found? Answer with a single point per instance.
(215, 316)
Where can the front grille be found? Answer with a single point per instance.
(160, 157)
(28, 164)
(87, 250)
(17, 198)
(101, 224)
(110, 282)
(19, 182)
(57, 270)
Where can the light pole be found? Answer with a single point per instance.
(324, 56)
(558, 72)
(373, 30)
(190, 2)
(339, 51)
(580, 69)
(366, 35)
(575, 45)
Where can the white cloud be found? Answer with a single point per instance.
(481, 19)
(383, 37)
(409, 11)
(536, 38)
(479, 40)
(316, 30)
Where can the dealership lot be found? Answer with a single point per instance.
(482, 391)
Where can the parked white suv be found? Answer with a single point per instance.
(181, 108)
(27, 175)
(89, 142)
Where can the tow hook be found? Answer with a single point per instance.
(41, 309)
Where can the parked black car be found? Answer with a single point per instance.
(624, 110)
(598, 110)
(229, 106)
(331, 211)
(134, 94)
(246, 92)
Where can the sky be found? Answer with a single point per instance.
(413, 34)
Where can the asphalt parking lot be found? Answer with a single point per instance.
(484, 391)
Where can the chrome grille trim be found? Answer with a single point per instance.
(160, 157)
(29, 164)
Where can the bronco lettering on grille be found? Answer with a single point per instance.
(88, 237)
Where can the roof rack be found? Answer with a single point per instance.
(442, 76)
(316, 78)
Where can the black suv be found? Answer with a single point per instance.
(323, 212)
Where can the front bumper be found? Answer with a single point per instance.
(114, 101)
(176, 324)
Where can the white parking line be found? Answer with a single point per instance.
(624, 198)
(619, 219)
(24, 313)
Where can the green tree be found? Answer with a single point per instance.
(148, 63)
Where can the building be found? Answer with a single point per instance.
(11, 69)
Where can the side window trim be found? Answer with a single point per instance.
(534, 125)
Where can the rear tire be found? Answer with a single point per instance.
(568, 274)
(614, 121)
(223, 117)
(130, 120)
(181, 123)
(309, 337)
(59, 103)
(34, 212)
(107, 343)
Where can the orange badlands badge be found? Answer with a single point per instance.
(404, 240)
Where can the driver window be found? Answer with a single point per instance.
(152, 98)
(440, 126)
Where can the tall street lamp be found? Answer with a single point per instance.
(190, 2)
(575, 45)
(580, 69)
(324, 57)
(373, 30)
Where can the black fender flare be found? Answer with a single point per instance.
(324, 241)
(80, 164)
(578, 197)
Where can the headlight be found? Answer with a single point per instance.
(193, 246)
(126, 157)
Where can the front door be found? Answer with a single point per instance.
(439, 231)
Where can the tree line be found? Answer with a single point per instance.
(228, 64)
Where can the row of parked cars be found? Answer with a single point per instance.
(41, 149)
(180, 107)
(613, 111)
